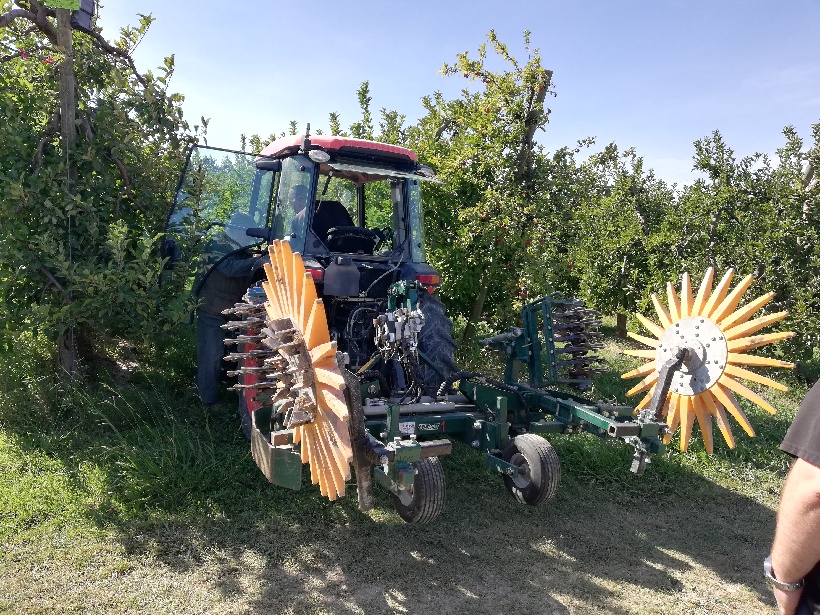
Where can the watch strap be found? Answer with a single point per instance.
(768, 574)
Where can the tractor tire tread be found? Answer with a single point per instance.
(429, 491)
(436, 342)
(545, 469)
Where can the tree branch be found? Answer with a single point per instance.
(127, 181)
(66, 295)
(49, 132)
(22, 53)
(531, 122)
(124, 175)
(87, 130)
(445, 125)
(13, 14)
(36, 6)
(116, 51)
(808, 175)
(41, 21)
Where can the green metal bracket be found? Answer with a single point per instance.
(403, 289)
(502, 427)
(275, 454)
(407, 451)
(498, 464)
(393, 417)
(370, 388)
(534, 343)
(398, 475)
(568, 414)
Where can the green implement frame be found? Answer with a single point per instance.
(502, 420)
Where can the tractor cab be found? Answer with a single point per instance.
(352, 208)
(340, 196)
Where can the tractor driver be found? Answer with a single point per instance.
(224, 286)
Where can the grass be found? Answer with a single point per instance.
(123, 496)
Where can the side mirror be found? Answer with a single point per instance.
(268, 164)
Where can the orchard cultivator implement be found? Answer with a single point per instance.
(344, 353)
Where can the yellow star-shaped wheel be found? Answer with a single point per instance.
(717, 332)
(296, 327)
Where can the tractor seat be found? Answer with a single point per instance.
(329, 214)
(352, 239)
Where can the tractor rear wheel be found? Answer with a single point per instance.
(539, 470)
(436, 343)
(424, 501)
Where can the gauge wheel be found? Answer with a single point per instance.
(424, 501)
(539, 470)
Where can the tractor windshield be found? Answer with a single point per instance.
(332, 208)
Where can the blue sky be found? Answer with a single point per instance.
(654, 75)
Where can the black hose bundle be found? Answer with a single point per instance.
(503, 386)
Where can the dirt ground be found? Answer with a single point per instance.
(592, 549)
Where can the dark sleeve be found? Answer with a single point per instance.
(237, 267)
(803, 437)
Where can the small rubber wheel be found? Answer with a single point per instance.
(424, 501)
(539, 470)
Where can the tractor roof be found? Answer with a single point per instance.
(343, 145)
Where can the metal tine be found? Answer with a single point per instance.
(286, 372)
(243, 339)
(249, 370)
(581, 324)
(251, 354)
(572, 335)
(276, 345)
(256, 385)
(581, 361)
(579, 336)
(284, 332)
(242, 324)
(583, 348)
(244, 308)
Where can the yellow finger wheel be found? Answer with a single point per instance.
(311, 391)
(715, 333)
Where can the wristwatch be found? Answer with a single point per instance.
(769, 576)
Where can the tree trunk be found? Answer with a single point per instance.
(67, 354)
(809, 181)
(68, 103)
(475, 314)
(67, 347)
(620, 325)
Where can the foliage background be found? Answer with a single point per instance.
(510, 222)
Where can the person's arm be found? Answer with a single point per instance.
(796, 548)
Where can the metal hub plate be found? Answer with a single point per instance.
(709, 352)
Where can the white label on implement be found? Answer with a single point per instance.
(408, 427)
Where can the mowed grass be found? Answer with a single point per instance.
(122, 496)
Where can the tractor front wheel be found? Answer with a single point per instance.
(424, 501)
(539, 470)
